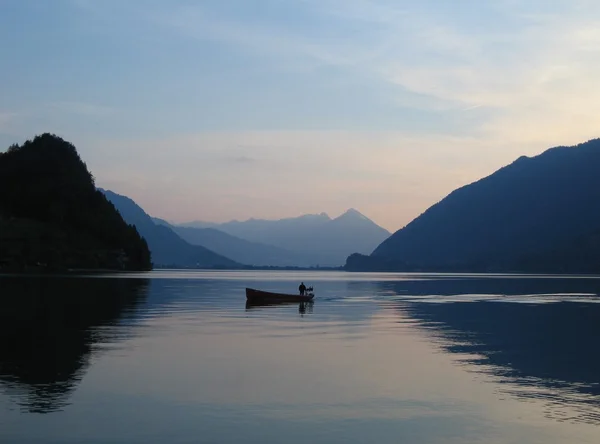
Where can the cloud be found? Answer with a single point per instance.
(203, 23)
(469, 108)
(510, 61)
(526, 65)
(534, 76)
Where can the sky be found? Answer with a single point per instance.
(229, 109)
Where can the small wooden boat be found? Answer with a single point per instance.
(253, 295)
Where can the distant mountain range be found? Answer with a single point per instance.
(537, 214)
(167, 248)
(305, 241)
(241, 250)
(315, 238)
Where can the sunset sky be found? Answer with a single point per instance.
(222, 109)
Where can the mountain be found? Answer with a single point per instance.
(259, 229)
(193, 224)
(160, 221)
(167, 248)
(536, 214)
(326, 241)
(53, 218)
(240, 250)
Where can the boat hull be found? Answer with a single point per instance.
(253, 295)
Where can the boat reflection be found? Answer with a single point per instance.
(303, 307)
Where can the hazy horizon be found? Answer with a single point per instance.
(332, 217)
(221, 110)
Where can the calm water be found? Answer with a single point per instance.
(177, 357)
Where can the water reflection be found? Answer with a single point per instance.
(537, 336)
(375, 361)
(303, 307)
(49, 328)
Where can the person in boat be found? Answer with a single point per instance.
(302, 288)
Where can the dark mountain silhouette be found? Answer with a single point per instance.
(240, 250)
(532, 215)
(50, 327)
(53, 218)
(168, 249)
(326, 241)
(579, 255)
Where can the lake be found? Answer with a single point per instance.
(177, 357)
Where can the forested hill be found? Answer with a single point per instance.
(537, 214)
(53, 218)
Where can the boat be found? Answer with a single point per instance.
(253, 295)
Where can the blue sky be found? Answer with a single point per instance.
(226, 109)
